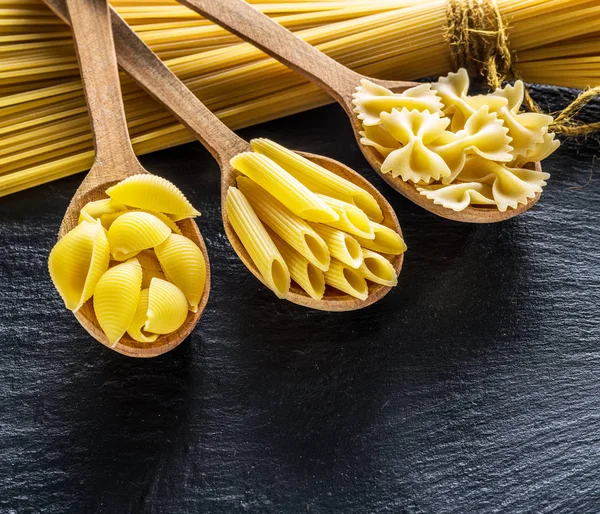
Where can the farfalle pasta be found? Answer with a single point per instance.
(458, 150)
(303, 225)
(131, 261)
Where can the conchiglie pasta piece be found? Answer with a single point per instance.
(108, 219)
(154, 193)
(167, 307)
(183, 264)
(77, 262)
(98, 208)
(116, 299)
(150, 267)
(135, 231)
(136, 328)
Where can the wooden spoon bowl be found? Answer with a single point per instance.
(243, 20)
(115, 160)
(332, 300)
(151, 74)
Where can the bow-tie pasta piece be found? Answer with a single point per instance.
(484, 134)
(458, 196)
(135, 231)
(526, 129)
(541, 150)
(77, 262)
(378, 138)
(183, 264)
(152, 193)
(370, 100)
(414, 161)
(510, 186)
(116, 298)
(453, 90)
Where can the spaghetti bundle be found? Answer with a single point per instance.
(44, 130)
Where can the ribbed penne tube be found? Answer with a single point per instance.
(283, 186)
(308, 276)
(342, 246)
(136, 327)
(385, 240)
(167, 307)
(347, 280)
(318, 179)
(148, 191)
(257, 242)
(378, 269)
(135, 231)
(351, 218)
(292, 229)
(116, 299)
(183, 263)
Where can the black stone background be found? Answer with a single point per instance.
(473, 387)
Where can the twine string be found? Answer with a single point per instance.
(478, 39)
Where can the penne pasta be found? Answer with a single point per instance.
(378, 269)
(308, 276)
(318, 179)
(385, 240)
(257, 242)
(350, 218)
(342, 246)
(347, 280)
(293, 230)
(283, 186)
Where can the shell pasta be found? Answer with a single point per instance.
(157, 274)
(321, 258)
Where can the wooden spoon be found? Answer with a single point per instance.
(149, 71)
(243, 20)
(115, 159)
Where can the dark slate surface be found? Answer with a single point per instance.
(473, 387)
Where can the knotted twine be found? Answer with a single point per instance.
(478, 39)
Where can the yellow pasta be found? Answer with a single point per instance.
(385, 240)
(108, 218)
(77, 262)
(308, 276)
(183, 264)
(318, 179)
(378, 269)
(99, 208)
(350, 218)
(167, 307)
(347, 280)
(136, 327)
(292, 229)
(342, 246)
(135, 231)
(257, 242)
(116, 299)
(153, 193)
(283, 186)
(150, 267)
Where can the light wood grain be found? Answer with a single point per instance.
(115, 159)
(340, 82)
(149, 71)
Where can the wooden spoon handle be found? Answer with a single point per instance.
(100, 77)
(146, 68)
(245, 21)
